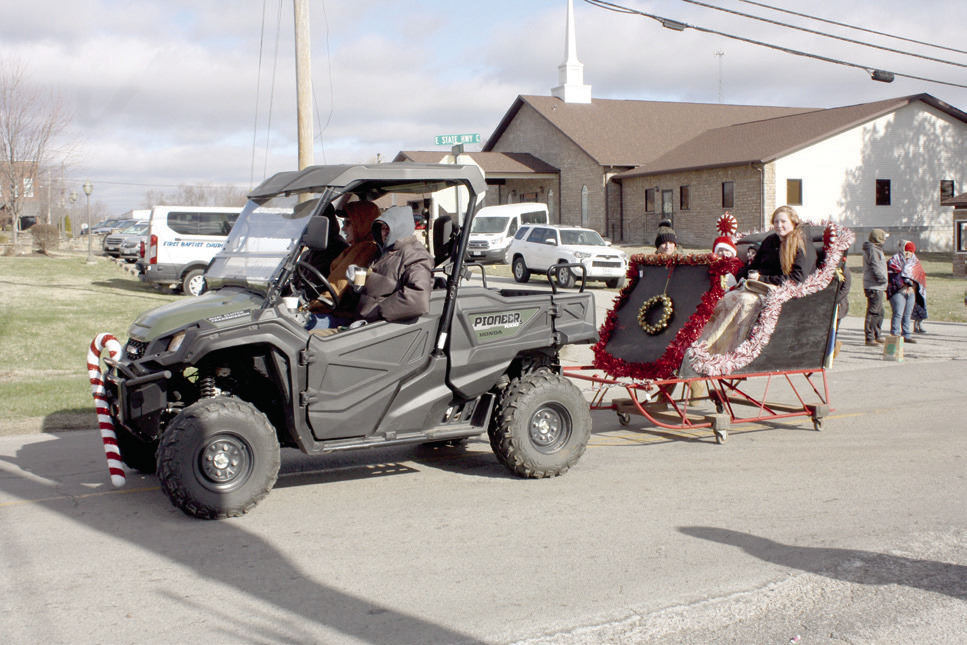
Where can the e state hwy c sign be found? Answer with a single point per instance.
(456, 139)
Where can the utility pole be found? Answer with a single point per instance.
(721, 55)
(303, 79)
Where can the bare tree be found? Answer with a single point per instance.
(30, 123)
(197, 195)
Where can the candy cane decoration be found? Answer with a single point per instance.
(111, 451)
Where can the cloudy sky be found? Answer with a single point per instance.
(174, 92)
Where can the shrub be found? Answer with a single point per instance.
(46, 236)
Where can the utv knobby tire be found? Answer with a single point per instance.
(137, 454)
(542, 425)
(218, 458)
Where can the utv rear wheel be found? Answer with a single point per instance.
(218, 458)
(521, 273)
(541, 427)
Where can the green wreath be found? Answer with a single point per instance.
(667, 309)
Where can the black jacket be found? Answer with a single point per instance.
(766, 261)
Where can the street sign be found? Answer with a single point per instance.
(456, 139)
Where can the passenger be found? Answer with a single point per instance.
(874, 285)
(398, 284)
(750, 252)
(784, 255)
(666, 242)
(361, 252)
(724, 244)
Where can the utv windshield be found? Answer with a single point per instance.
(261, 239)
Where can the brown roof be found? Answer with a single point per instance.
(632, 133)
(769, 139)
(960, 201)
(492, 163)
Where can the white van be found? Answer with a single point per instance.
(181, 241)
(495, 226)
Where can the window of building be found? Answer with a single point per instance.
(684, 197)
(962, 236)
(585, 214)
(666, 202)
(650, 200)
(882, 192)
(28, 187)
(946, 189)
(550, 203)
(728, 194)
(794, 192)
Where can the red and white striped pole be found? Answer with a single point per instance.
(104, 422)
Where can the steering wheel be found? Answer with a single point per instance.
(320, 287)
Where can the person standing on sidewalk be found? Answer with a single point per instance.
(874, 285)
(902, 290)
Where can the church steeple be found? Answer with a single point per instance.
(571, 72)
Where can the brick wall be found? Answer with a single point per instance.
(531, 132)
(695, 227)
(959, 243)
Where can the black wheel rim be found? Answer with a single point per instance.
(550, 428)
(223, 463)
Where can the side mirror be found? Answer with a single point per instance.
(316, 236)
(607, 242)
(551, 242)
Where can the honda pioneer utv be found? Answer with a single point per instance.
(207, 390)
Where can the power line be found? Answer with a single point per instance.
(863, 29)
(676, 25)
(258, 92)
(824, 34)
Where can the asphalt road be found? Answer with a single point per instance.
(856, 534)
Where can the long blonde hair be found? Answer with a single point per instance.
(792, 242)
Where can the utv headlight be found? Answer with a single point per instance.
(176, 341)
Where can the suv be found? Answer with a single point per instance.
(113, 242)
(543, 247)
(207, 390)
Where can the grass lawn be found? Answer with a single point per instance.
(50, 310)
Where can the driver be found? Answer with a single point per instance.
(362, 250)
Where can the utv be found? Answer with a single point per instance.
(207, 390)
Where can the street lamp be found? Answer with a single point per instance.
(88, 189)
(73, 198)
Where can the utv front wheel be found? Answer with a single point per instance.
(542, 426)
(218, 458)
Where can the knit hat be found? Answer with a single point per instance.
(665, 233)
(910, 246)
(878, 236)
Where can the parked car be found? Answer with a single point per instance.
(538, 248)
(113, 241)
(104, 227)
(495, 226)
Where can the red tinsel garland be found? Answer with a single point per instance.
(669, 362)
